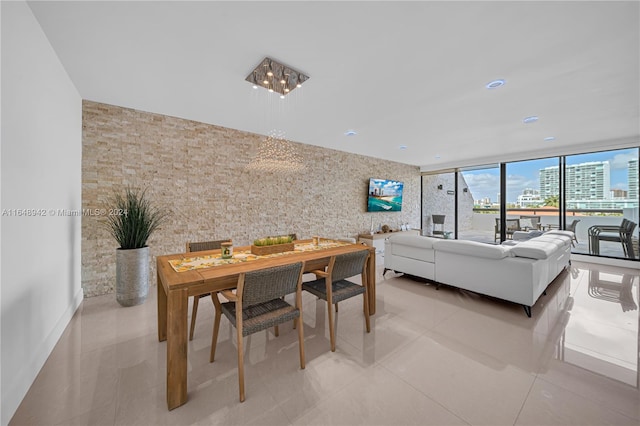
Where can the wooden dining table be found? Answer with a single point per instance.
(175, 288)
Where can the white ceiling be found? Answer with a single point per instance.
(398, 73)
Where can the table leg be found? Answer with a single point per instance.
(371, 283)
(177, 307)
(162, 311)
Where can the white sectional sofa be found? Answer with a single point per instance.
(518, 273)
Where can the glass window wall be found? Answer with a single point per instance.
(533, 195)
(594, 194)
(479, 204)
(602, 202)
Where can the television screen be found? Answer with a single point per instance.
(384, 195)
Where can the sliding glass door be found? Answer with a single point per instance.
(602, 202)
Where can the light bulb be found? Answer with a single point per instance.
(286, 89)
(265, 81)
(271, 90)
(282, 81)
(281, 96)
(270, 74)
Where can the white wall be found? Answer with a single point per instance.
(41, 169)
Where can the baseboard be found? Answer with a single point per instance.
(13, 394)
(621, 263)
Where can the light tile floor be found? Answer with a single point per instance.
(433, 357)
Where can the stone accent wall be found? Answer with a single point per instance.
(198, 172)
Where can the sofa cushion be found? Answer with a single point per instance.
(533, 249)
(525, 235)
(560, 232)
(473, 248)
(551, 239)
(413, 240)
(558, 240)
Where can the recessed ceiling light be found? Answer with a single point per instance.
(402, 147)
(495, 84)
(350, 133)
(531, 119)
(437, 157)
(550, 138)
(281, 96)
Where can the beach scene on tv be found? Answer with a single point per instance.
(384, 195)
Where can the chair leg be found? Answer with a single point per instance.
(216, 326)
(276, 331)
(332, 332)
(194, 312)
(366, 310)
(240, 365)
(301, 341)
(336, 306)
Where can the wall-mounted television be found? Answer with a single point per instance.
(384, 195)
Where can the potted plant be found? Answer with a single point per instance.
(271, 245)
(131, 223)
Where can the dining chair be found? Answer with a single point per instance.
(333, 286)
(258, 304)
(193, 247)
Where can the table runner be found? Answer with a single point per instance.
(212, 260)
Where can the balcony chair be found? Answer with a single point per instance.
(529, 223)
(438, 224)
(572, 227)
(513, 225)
(194, 247)
(622, 234)
(334, 288)
(258, 304)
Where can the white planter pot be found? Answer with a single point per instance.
(132, 276)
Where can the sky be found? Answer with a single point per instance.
(525, 174)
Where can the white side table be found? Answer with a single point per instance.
(377, 240)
